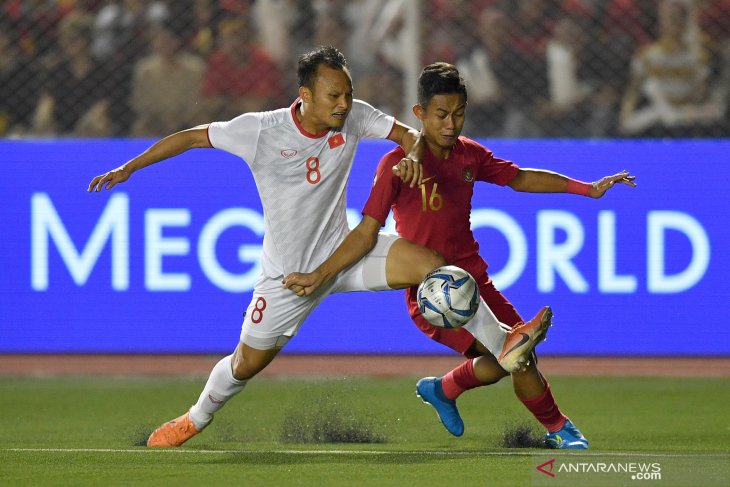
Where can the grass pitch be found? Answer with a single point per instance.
(352, 431)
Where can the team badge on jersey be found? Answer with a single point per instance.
(336, 141)
(468, 175)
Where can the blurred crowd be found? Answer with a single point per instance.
(534, 68)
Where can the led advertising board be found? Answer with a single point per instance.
(165, 263)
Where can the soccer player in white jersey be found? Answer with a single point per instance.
(300, 158)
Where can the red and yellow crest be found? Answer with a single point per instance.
(468, 174)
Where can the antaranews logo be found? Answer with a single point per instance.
(585, 469)
(547, 467)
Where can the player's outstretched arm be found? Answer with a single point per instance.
(170, 146)
(541, 181)
(358, 242)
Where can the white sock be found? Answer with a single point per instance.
(488, 329)
(221, 386)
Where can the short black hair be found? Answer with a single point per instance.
(439, 79)
(310, 61)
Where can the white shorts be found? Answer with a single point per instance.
(275, 313)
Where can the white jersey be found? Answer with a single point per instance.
(301, 179)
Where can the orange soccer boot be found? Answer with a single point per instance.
(173, 433)
(522, 339)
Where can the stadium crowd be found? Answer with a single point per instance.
(534, 68)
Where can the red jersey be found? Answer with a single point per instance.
(437, 213)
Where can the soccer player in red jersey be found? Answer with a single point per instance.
(437, 215)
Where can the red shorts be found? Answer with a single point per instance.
(460, 339)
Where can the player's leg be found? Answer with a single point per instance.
(273, 317)
(487, 370)
(530, 386)
(441, 392)
(484, 335)
(393, 263)
(396, 262)
(482, 368)
(248, 361)
(512, 342)
(229, 377)
(223, 383)
(512, 345)
(407, 263)
(533, 390)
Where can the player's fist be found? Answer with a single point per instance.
(302, 283)
(409, 171)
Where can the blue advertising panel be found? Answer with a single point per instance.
(166, 262)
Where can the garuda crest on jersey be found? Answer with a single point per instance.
(468, 174)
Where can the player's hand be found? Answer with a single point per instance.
(409, 171)
(604, 184)
(302, 283)
(111, 179)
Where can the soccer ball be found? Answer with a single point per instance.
(448, 297)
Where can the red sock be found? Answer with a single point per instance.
(460, 379)
(546, 410)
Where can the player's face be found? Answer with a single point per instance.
(329, 101)
(442, 119)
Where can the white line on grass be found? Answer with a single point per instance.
(361, 452)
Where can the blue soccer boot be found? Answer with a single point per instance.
(430, 391)
(567, 438)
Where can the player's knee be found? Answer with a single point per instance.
(438, 259)
(431, 260)
(409, 263)
(241, 370)
(244, 368)
(487, 362)
(248, 361)
(246, 371)
(486, 367)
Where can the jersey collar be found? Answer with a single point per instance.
(294, 106)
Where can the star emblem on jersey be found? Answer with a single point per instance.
(468, 175)
(336, 141)
(288, 153)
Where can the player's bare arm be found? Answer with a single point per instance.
(358, 242)
(409, 168)
(542, 181)
(170, 146)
